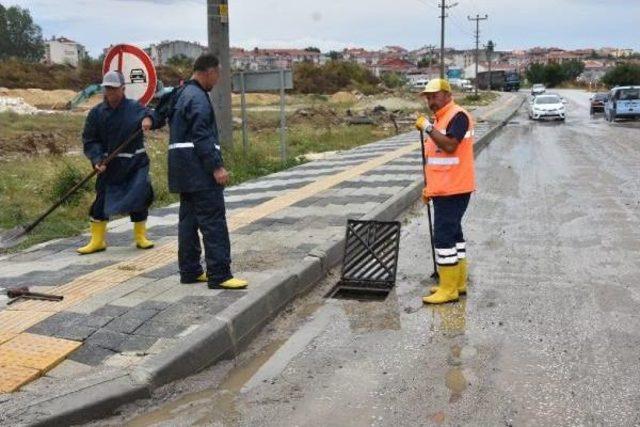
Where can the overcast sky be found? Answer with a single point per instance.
(336, 24)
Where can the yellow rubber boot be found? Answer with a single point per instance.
(233, 284)
(97, 242)
(448, 288)
(140, 235)
(202, 278)
(462, 279)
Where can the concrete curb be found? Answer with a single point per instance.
(230, 332)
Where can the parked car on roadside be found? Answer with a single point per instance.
(538, 89)
(547, 106)
(597, 103)
(622, 102)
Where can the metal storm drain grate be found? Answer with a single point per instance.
(370, 260)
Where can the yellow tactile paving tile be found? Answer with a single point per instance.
(17, 321)
(14, 377)
(6, 336)
(35, 351)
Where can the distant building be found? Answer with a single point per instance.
(161, 53)
(271, 59)
(615, 52)
(62, 50)
(394, 65)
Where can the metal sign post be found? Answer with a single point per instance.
(264, 81)
(243, 106)
(283, 118)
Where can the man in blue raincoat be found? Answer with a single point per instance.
(197, 172)
(122, 186)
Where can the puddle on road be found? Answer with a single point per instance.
(211, 405)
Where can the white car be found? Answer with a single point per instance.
(548, 106)
(538, 89)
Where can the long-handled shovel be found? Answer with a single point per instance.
(18, 234)
(435, 275)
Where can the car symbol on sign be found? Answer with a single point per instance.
(137, 76)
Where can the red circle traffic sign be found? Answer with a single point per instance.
(139, 73)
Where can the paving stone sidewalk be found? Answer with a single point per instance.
(148, 314)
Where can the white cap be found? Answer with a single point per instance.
(113, 79)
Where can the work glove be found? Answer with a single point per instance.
(425, 197)
(424, 124)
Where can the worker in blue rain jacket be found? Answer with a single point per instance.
(123, 186)
(197, 173)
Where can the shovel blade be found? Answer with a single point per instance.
(11, 238)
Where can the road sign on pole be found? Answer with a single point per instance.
(263, 81)
(139, 73)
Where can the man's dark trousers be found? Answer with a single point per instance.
(447, 223)
(204, 211)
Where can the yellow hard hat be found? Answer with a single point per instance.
(436, 85)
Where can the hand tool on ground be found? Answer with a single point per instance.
(18, 234)
(17, 294)
(424, 177)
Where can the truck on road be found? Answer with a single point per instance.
(505, 81)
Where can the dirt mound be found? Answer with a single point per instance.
(89, 103)
(34, 143)
(319, 116)
(259, 99)
(345, 97)
(41, 99)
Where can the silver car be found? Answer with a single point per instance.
(538, 89)
(548, 106)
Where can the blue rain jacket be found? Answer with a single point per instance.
(194, 150)
(128, 188)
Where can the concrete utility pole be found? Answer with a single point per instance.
(478, 18)
(443, 15)
(218, 31)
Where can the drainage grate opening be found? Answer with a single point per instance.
(358, 294)
(370, 258)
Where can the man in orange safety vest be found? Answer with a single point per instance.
(450, 181)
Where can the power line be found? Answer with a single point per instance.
(478, 18)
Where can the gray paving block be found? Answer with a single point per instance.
(107, 339)
(54, 277)
(111, 311)
(90, 354)
(156, 328)
(125, 325)
(66, 325)
(162, 272)
(138, 343)
(152, 305)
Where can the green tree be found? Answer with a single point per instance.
(622, 75)
(489, 49)
(393, 80)
(20, 37)
(312, 49)
(572, 69)
(536, 73)
(335, 55)
(181, 63)
(554, 74)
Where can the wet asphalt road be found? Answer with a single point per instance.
(548, 335)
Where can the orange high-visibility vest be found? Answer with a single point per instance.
(449, 174)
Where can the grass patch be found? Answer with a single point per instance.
(30, 183)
